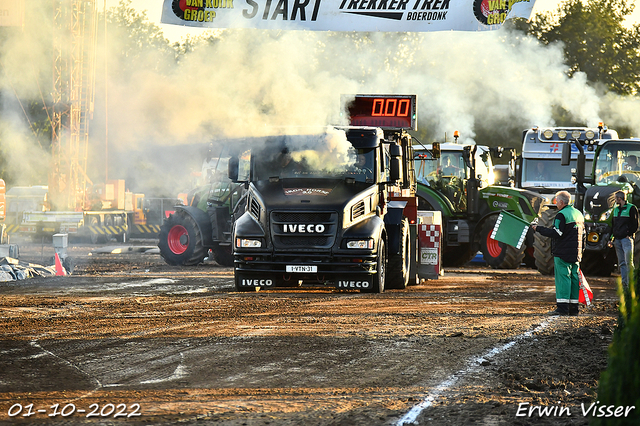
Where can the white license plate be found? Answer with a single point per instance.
(302, 268)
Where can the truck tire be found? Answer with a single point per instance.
(400, 264)
(542, 244)
(180, 240)
(496, 254)
(379, 279)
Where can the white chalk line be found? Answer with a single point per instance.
(35, 344)
(472, 366)
(178, 373)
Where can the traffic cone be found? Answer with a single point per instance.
(60, 271)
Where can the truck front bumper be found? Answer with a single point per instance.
(327, 268)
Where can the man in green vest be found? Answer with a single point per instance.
(625, 225)
(567, 242)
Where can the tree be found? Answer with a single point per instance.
(596, 41)
(134, 40)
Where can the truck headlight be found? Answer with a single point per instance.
(360, 244)
(604, 216)
(248, 243)
(587, 216)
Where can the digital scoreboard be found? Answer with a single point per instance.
(385, 111)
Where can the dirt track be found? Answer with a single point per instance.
(469, 348)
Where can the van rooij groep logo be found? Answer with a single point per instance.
(199, 10)
(493, 12)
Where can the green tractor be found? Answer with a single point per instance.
(614, 169)
(202, 228)
(458, 181)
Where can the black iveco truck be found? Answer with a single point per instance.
(335, 208)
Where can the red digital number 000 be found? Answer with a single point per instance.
(390, 107)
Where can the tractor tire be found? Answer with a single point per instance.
(180, 240)
(400, 264)
(542, 244)
(496, 254)
(223, 255)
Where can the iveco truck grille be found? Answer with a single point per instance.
(300, 230)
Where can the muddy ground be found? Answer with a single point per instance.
(471, 348)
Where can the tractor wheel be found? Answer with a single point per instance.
(496, 254)
(400, 264)
(542, 244)
(223, 255)
(180, 240)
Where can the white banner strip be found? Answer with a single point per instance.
(347, 15)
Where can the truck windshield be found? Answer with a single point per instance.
(541, 172)
(618, 161)
(313, 158)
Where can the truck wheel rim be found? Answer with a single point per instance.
(493, 247)
(173, 239)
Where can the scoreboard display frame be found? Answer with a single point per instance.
(385, 111)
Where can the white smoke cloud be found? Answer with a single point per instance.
(251, 82)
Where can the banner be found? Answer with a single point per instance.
(346, 15)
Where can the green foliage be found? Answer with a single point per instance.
(595, 41)
(138, 40)
(620, 382)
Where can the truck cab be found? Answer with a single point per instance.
(540, 167)
(324, 209)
